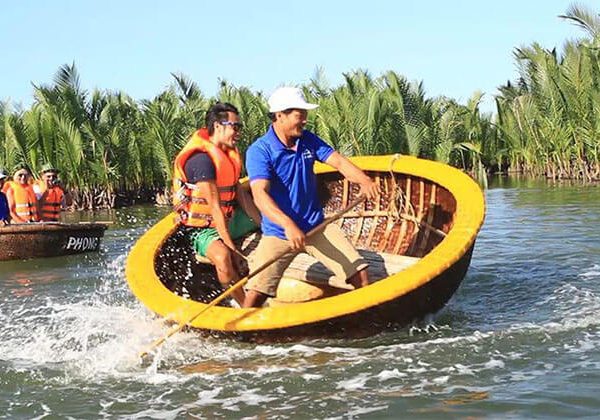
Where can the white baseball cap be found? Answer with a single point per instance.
(287, 98)
(2, 174)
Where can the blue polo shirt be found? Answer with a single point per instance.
(293, 184)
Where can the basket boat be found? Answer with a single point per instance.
(418, 237)
(48, 239)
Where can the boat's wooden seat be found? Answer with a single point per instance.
(307, 279)
(381, 265)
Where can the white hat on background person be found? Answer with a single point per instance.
(288, 97)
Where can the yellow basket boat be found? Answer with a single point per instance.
(418, 238)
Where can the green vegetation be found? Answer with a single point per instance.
(112, 149)
(549, 120)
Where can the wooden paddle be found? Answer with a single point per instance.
(244, 280)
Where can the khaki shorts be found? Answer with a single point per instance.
(330, 247)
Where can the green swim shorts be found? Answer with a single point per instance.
(239, 225)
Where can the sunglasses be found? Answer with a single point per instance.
(21, 175)
(237, 126)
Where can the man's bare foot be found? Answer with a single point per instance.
(254, 299)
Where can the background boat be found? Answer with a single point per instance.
(49, 239)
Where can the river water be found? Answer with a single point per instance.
(519, 339)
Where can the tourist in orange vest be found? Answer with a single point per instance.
(21, 198)
(206, 189)
(50, 195)
(4, 210)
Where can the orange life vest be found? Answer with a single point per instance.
(22, 202)
(188, 201)
(50, 201)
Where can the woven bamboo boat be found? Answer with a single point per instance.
(48, 239)
(418, 238)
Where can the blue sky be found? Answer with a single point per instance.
(454, 47)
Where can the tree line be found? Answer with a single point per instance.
(112, 149)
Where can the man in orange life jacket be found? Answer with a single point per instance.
(21, 198)
(206, 188)
(50, 195)
(4, 210)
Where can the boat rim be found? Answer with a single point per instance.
(35, 227)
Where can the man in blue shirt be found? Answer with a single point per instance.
(4, 210)
(284, 187)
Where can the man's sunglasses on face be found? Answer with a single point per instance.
(237, 126)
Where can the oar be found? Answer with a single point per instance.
(244, 280)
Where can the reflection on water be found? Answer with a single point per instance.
(519, 181)
(25, 278)
(23, 283)
(24, 289)
(519, 339)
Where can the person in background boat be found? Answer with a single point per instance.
(21, 198)
(4, 210)
(284, 187)
(206, 190)
(50, 195)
